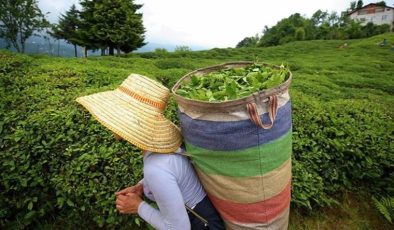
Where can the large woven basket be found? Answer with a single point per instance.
(241, 150)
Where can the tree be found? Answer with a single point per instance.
(321, 25)
(319, 17)
(67, 28)
(353, 5)
(333, 19)
(360, 4)
(344, 20)
(285, 31)
(381, 3)
(161, 52)
(300, 34)
(354, 30)
(249, 42)
(182, 49)
(113, 24)
(85, 32)
(19, 19)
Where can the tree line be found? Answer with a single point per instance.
(100, 24)
(322, 25)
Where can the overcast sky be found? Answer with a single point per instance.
(211, 23)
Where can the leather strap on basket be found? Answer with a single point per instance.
(272, 110)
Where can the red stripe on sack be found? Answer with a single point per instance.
(252, 113)
(260, 212)
(270, 109)
(256, 115)
(274, 107)
(249, 108)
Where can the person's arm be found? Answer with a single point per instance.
(172, 213)
(146, 190)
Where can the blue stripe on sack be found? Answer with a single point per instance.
(234, 135)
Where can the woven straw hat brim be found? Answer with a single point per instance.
(138, 123)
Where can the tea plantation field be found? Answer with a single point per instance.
(60, 168)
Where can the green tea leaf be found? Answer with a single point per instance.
(232, 83)
(231, 90)
(30, 205)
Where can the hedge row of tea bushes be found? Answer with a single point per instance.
(339, 147)
(57, 163)
(59, 167)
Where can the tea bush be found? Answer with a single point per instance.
(345, 145)
(59, 167)
(56, 160)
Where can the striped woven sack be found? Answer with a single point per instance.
(241, 150)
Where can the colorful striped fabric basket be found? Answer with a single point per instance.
(241, 150)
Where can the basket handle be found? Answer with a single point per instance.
(272, 110)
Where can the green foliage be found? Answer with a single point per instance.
(19, 19)
(161, 52)
(353, 5)
(385, 207)
(231, 84)
(87, 21)
(56, 160)
(182, 49)
(321, 25)
(354, 30)
(283, 32)
(172, 63)
(113, 24)
(370, 29)
(171, 111)
(307, 187)
(300, 34)
(341, 154)
(59, 167)
(381, 3)
(249, 42)
(359, 4)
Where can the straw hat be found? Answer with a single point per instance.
(134, 111)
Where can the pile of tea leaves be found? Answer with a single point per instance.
(233, 83)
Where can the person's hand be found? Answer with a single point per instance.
(128, 203)
(137, 189)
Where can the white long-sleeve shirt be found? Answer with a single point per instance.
(170, 180)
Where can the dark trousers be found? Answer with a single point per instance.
(206, 210)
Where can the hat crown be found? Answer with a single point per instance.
(146, 91)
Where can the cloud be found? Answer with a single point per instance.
(210, 23)
(223, 23)
(55, 8)
(220, 23)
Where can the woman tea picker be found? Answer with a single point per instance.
(134, 112)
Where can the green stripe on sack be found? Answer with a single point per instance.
(243, 163)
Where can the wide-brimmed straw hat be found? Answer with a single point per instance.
(134, 111)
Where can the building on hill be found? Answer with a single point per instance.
(375, 13)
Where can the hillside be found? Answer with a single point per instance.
(59, 167)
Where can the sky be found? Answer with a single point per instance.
(211, 23)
